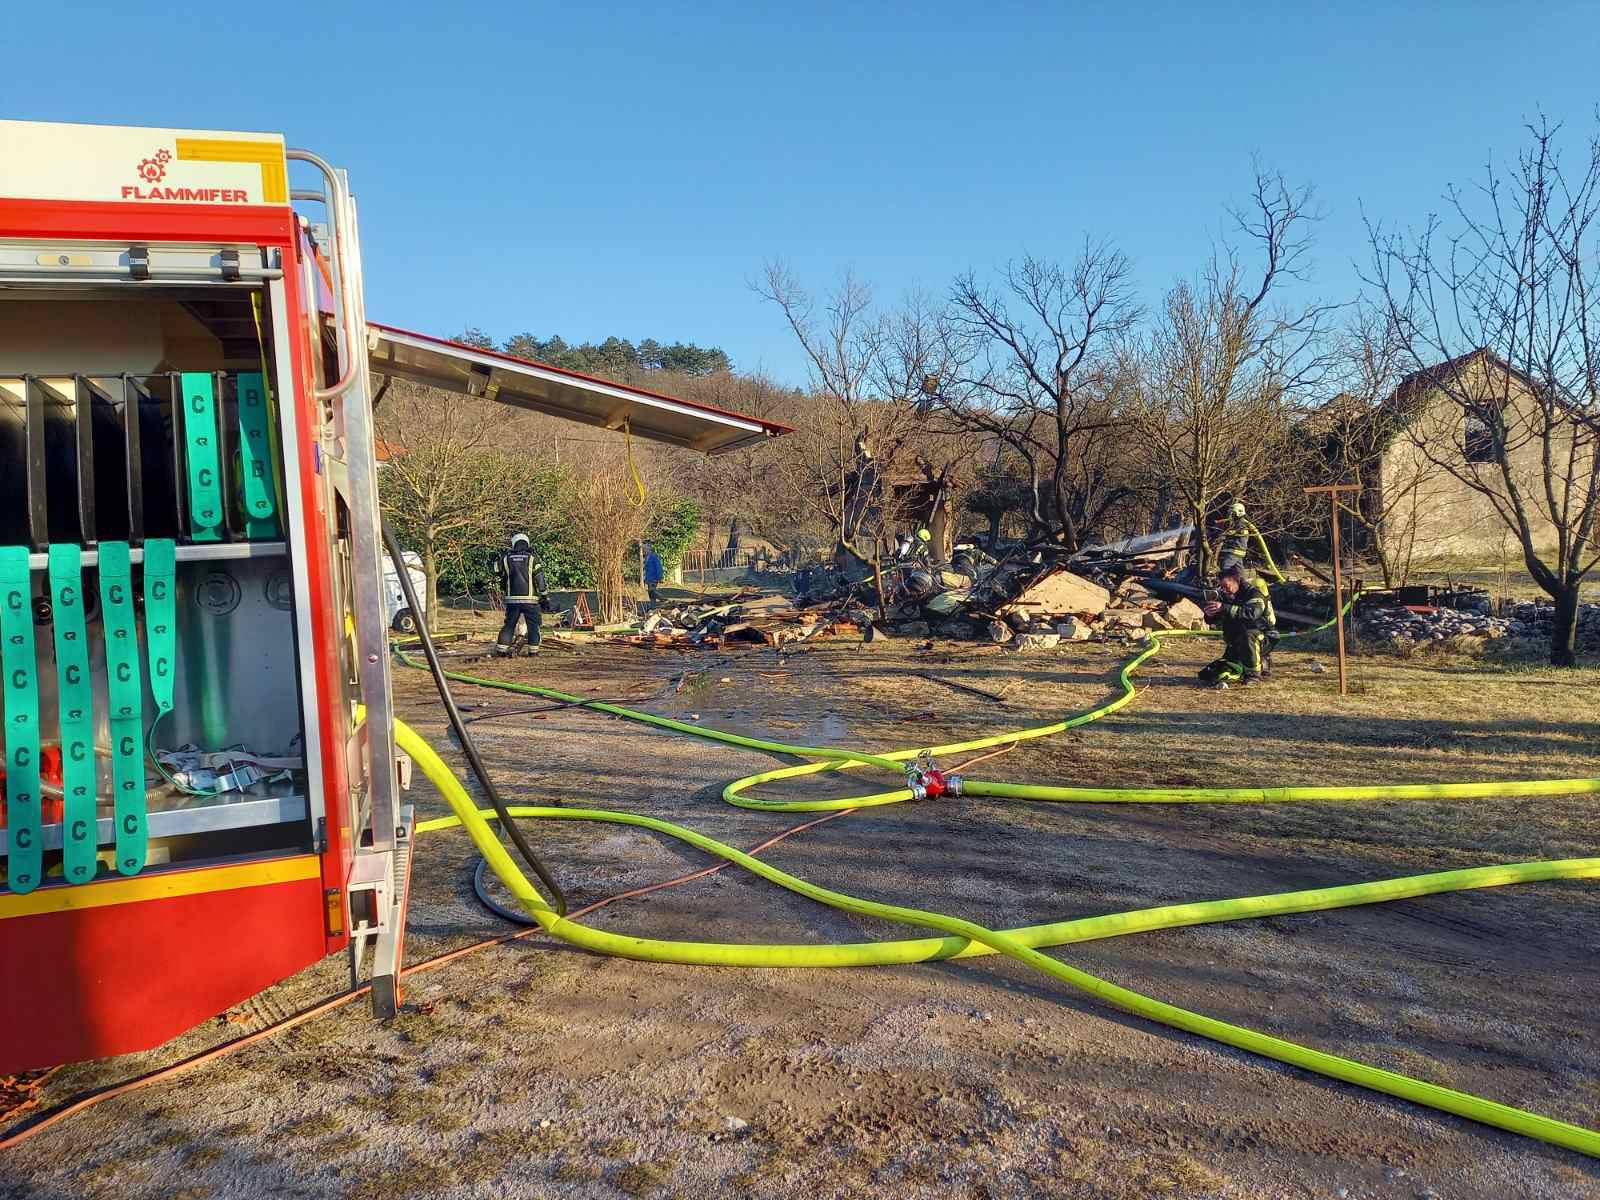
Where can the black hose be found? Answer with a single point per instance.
(468, 746)
(480, 886)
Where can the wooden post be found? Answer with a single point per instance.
(1333, 490)
(1338, 587)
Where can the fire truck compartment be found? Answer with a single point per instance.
(131, 414)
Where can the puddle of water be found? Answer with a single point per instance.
(833, 731)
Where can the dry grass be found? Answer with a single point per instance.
(314, 1125)
(416, 1176)
(577, 1172)
(642, 1179)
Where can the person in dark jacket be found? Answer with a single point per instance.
(1235, 548)
(654, 573)
(1249, 624)
(522, 584)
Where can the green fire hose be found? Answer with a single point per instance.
(959, 938)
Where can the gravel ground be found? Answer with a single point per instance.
(535, 1070)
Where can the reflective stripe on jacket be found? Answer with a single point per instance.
(1253, 610)
(1236, 540)
(521, 576)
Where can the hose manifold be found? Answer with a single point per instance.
(927, 782)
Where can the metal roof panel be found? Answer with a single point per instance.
(539, 387)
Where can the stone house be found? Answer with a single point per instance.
(1415, 446)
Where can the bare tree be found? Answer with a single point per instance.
(1030, 364)
(842, 345)
(867, 370)
(1219, 374)
(447, 486)
(1354, 437)
(1502, 313)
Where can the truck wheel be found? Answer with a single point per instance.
(404, 622)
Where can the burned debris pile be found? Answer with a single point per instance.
(1030, 600)
(755, 618)
(1037, 599)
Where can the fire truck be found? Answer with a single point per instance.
(202, 791)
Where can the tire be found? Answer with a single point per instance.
(404, 622)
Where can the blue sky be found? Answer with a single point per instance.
(589, 170)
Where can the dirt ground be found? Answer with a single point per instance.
(535, 1070)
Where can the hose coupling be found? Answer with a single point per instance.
(925, 779)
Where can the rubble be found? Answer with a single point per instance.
(1036, 641)
(1534, 619)
(1186, 614)
(1531, 620)
(1125, 618)
(1027, 602)
(1416, 624)
(1312, 601)
(769, 620)
(1031, 601)
(1059, 592)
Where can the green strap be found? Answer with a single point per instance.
(255, 457)
(126, 691)
(21, 720)
(160, 614)
(204, 463)
(80, 830)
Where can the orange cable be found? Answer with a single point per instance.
(18, 1136)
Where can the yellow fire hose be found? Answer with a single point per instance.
(966, 939)
(1265, 553)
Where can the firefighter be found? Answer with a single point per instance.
(1249, 629)
(1235, 539)
(522, 583)
(921, 549)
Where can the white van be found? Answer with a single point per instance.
(401, 618)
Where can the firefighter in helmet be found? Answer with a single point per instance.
(522, 584)
(1235, 539)
(1243, 610)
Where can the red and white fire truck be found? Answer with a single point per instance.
(202, 793)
